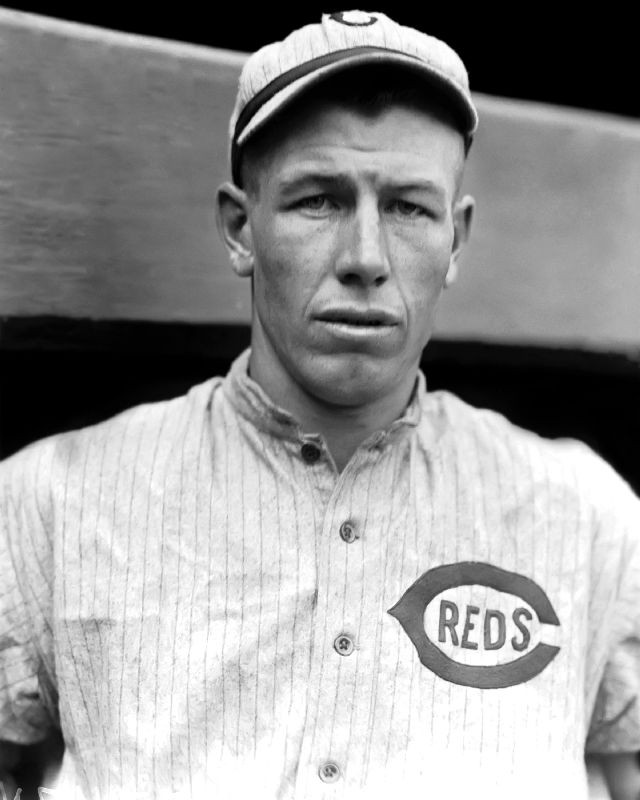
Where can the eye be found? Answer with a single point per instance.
(405, 208)
(315, 202)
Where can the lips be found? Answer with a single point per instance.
(364, 318)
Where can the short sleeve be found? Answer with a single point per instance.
(26, 689)
(615, 721)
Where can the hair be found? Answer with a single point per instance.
(369, 90)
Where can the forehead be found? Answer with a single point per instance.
(397, 140)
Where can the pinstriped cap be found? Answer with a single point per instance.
(281, 71)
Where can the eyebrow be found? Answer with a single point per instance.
(291, 184)
(297, 181)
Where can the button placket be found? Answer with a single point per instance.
(335, 674)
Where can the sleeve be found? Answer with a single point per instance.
(615, 639)
(25, 687)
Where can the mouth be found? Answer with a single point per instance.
(364, 329)
(356, 318)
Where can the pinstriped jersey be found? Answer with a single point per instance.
(203, 604)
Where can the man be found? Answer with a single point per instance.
(312, 578)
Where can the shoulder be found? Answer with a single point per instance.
(125, 438)
(483, 438)
(490, 432)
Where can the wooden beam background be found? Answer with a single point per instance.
(112, 146)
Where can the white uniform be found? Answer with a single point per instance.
(204, 605)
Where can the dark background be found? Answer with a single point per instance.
(555, 53)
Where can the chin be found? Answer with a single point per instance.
(351, 380)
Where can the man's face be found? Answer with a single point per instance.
(350, 236)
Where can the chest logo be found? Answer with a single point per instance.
(477, 625)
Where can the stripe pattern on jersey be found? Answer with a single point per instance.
(182, 600)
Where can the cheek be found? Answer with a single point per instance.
(425, 267)
(289, 263)
(273, 257)
(423, 263)
(281, 285)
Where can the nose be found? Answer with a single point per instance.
(363, 258)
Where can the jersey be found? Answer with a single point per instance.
(203, 604)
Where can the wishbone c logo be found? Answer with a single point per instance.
(473, 628)
(355, 19)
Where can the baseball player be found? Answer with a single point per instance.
(314, 578)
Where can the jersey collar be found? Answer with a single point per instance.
(254, 405)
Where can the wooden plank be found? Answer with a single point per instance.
(112, 146)
(555, 251)
(111, 152)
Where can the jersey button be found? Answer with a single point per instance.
(344, 645)
(310, 453)
(348, 533)
(329, 772)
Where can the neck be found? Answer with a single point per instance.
(344, 428)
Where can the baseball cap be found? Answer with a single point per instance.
(280, 72)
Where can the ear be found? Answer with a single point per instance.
(462, 216)
(233, 223)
